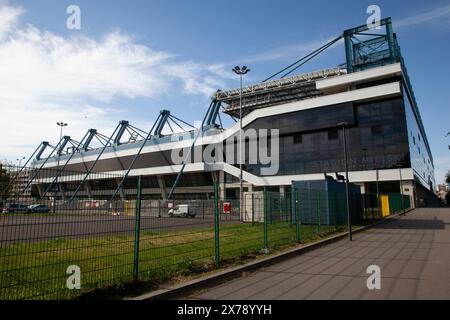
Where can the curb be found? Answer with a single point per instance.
(182, 290)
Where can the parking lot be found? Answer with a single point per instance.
(44, 227)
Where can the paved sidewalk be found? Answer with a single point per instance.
(413, 253)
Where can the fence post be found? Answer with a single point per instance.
(318, 212)
(297, 219)
(363, 197)
(372, 204)
(203, 209)
(266, 236)
(216, 226)
(253, 211)
(137, 230)
(403, 204)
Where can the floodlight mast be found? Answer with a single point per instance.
(240, 72)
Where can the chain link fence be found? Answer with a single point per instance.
(63, 240)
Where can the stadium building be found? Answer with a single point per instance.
(387, 146)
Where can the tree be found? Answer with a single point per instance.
(5, 185)
(447, 199)
(447, 177)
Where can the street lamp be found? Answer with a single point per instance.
(240, 72)
(343, 125)
(61, 126)
(20, 161)
(58, 152)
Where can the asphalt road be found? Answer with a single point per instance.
(413, 253)
(32, 228)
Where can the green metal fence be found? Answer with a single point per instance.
(137, 238)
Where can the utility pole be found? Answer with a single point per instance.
(343, 125)
(58, 153)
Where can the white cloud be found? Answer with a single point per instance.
(189, 73)
(439, 15)
(43, 65)
(47, 78)
(8, 18)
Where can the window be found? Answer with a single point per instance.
(418, 135)
(298, 138)
(414, 140)
(333, 134)
(376, 129)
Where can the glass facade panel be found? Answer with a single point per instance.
(308, 120)
(421, 160)
(376, 139)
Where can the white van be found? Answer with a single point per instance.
(182, 210)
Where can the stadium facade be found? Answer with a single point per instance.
(388, 149)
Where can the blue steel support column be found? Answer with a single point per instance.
(200, 131)
(44, 145)
(64, 143)
(160, 122)
(210, 111)
(122, 127)
(390, 38)
(61, 170)
(135, 158)
(210, 115)
(348, 51)
(40, 168)
(91, 135)
(95, 162)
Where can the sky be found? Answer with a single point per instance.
(132, 58)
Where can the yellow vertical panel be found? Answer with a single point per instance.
(129, 208)
(385, 206)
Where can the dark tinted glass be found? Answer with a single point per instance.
(378, 139)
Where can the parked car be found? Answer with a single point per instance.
(38, 208)
(15, 208)
(183, 210)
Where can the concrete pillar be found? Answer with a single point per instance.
(87, 187)
(121, 192)
(408, 190)
(363, 187)
(62, 191)
(282, 191)
(219, 177)
(222, 187)
(162, 187)
(40, 191)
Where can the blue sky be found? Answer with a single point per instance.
(132, 58)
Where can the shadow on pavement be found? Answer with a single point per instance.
(419, 224)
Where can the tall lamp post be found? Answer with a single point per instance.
(240, 72)
(20, 160)
(17, 169)
(58, 152)
(343, 125)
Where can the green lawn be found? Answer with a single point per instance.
(38, 270)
